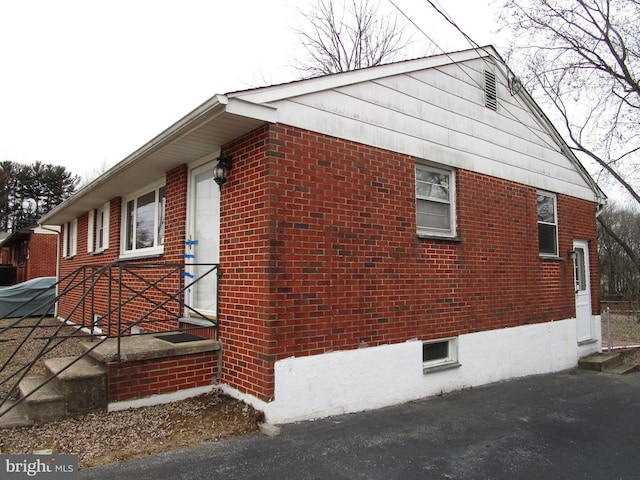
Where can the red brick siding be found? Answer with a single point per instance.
(42, 255)
(71, 305)
(247, 304)
(142, 378)
(319, 252)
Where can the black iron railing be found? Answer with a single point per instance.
(100, 303)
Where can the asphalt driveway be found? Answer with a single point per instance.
(571, 425)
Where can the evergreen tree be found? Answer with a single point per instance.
(29, 191)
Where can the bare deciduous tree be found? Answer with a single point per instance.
(341, 36)
(619, 279)
(583, 56)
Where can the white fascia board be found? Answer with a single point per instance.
(328, 82)
(243, 108)
(47, 229)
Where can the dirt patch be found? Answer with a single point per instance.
(104, 438)
(110, 437)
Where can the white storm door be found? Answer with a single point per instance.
(203, 241)
(583, 291)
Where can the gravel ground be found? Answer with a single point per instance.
(103, 438)
(110, 437)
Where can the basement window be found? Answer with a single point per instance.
(439, 354)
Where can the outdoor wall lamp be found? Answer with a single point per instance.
(221, 171)
(572, 254)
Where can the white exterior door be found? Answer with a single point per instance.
(583, 291)
(203, 241)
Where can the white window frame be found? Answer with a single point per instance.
(424, 230)
(554, 224)
(90, 229)
(98, 231)
(102, 227)
(158, 243)
(70, 239)
(448, 361)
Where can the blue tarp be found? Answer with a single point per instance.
(33, 298)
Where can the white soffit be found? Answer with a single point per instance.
(200, 133)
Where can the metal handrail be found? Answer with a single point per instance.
(82, 284)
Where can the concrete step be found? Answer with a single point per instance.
(43, 402)
(15, 416)
(82, 382)
(621, 369)
(600, 361)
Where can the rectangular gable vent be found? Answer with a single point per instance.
(490, 92)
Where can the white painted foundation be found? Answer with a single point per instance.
(355, 380)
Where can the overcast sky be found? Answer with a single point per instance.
(84, 83)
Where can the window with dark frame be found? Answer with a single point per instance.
(435, 351)
(547, 224)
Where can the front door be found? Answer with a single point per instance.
(203, 240)
(583, 291)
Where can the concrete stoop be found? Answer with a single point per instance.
(15, 416)
(66, 391)
(606, 363)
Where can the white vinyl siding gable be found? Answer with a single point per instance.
(440, 114)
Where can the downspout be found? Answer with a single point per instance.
(57, 232)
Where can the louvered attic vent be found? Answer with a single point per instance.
(490, 92)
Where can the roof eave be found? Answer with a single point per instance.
(154, 159)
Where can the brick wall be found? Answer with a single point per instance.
(77, 306)
(42, 256)
(143, 378)
(320, 253)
